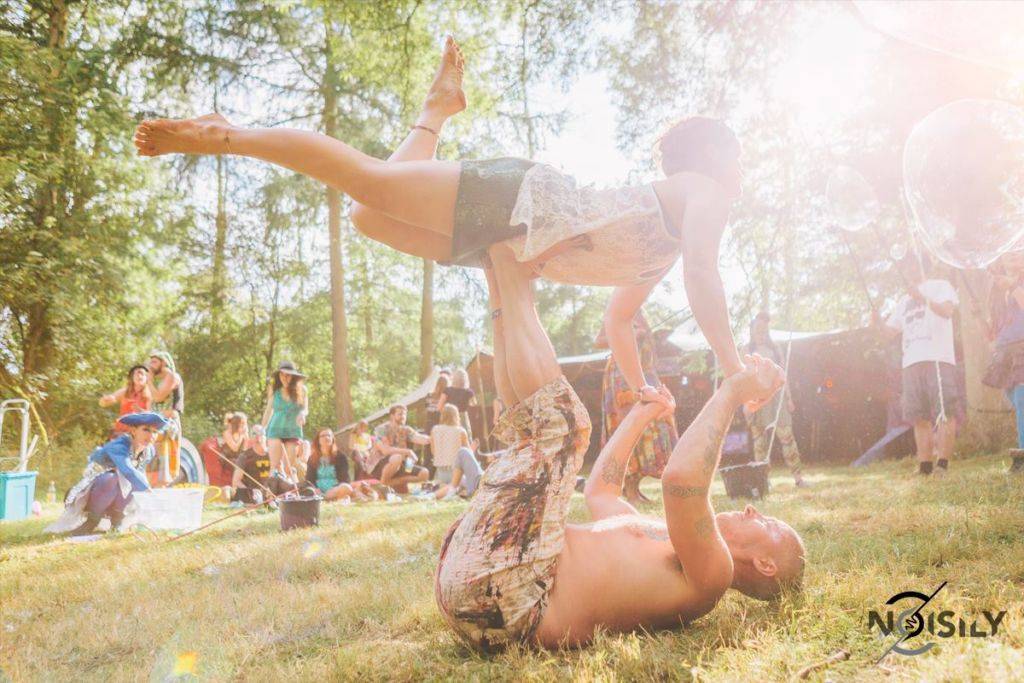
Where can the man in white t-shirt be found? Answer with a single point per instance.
(925, 318)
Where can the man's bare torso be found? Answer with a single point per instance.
(619, 573)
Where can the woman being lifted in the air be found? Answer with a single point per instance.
(451, 211)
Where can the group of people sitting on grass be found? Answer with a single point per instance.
(372, 465)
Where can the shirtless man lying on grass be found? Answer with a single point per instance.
(512, 570)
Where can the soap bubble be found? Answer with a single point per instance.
(898, 252)
(963, 176)
(981, 32)
(185, 664)
(312, 548)
(850, 198)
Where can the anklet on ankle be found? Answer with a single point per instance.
(227, 140)
(426, 128)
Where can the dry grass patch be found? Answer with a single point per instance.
(353, 599)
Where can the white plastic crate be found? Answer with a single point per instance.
(177, 509)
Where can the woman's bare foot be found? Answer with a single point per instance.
(445, 97)
(202, 135)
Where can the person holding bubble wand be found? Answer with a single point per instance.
(930, 392)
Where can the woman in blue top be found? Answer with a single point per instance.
(115, 471)
(283, 418)
(328, 471)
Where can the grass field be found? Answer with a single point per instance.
(353, 599)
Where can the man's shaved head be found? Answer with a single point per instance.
(768, 554)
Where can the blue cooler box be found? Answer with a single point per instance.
(17, 491)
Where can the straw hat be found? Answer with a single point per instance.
(288, 368)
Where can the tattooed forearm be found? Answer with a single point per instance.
(702, 527)
(613, 472)
(713, 448)
(678, 491)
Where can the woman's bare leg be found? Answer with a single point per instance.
(290, 458)
(444, 99)
(275, 449)
(420, 193)
(530, 358)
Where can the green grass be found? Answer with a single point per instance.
(254, 604)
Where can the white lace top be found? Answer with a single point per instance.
(620, 234)
(445, 442)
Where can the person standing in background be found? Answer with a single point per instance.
(461, 396)
(931, 394)
(434, 398)
(1006, 370)
(778, 414)
(168, 390)
(655, 445)
(283, 418)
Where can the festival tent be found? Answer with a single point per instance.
(583, 372)
(842, 382)
(412, 400)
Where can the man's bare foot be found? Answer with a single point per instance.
(202, 135)
(445, 97)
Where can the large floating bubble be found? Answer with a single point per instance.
(851, 199)
(982, 32)
(963, 175)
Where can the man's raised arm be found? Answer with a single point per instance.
(604, 485)
(689, 471)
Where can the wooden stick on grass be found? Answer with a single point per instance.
(838, 656)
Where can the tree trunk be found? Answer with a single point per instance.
(427, 320)
(272, 332)
(218, 294)
(524, 79)
(38, 345)
(339, 326)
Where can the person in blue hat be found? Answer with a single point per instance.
(115, 471)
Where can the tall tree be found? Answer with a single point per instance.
(427, 320)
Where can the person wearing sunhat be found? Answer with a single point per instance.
(283, 418)
(168, 390)
(115, 471)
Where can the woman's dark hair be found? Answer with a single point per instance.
(443, 382)
(129, 389)
(292, 392)
(698, 144)
(316, 454)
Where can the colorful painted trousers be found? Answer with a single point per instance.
(498, 560)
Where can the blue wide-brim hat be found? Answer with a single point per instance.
(138, 419)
